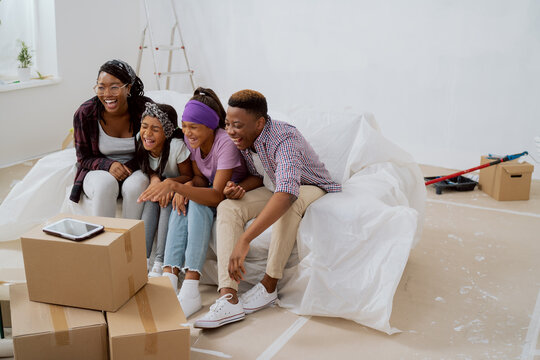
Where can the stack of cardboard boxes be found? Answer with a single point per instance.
(76, 291)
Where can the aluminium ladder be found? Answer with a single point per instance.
(171, 48)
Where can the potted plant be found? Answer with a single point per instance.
(25, 61)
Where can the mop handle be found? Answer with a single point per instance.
(498, 161)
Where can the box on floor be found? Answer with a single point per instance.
(99, 273)
(46, 331)
(151, 325)
(506, 181)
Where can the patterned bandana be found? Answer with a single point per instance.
(154, 111)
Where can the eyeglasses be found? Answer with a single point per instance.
(113, 90)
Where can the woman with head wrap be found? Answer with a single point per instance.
(104, 132)
(216, 161)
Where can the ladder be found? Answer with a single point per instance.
(171, 48)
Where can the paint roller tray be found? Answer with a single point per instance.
(459, 183)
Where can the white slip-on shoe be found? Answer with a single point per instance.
(156, 270)
(221, 313)
(257, 298)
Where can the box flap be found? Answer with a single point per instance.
(154, 308)
(518, 169)
(29, 317)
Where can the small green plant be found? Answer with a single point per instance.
(24, 57)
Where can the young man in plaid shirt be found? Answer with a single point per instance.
(286, 176)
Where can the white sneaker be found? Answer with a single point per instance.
(174, 280)
(221, 313)
(156, 269)
(148, 265)
(190, 305)
(257, 298)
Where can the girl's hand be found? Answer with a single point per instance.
(155, 192)
(179, 203)
(165, 200)
(233, 191)
(154, 179)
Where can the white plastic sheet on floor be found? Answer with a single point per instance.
(352, 246)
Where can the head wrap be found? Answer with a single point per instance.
(125, 73)
(154, 111)
(199, 113)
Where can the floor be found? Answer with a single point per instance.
(471, 290)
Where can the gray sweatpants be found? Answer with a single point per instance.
(154, 216)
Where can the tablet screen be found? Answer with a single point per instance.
(72, 227)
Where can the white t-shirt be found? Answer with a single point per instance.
(260, 169)
(117, 149)
(178, 153)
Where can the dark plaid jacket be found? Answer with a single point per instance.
(86, 136)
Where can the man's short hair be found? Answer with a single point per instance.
(250, 100)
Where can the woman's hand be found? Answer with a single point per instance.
(179, 203)
(165, 200)
(119, 171)
(233, 191)
(236, 260)
(155, 192)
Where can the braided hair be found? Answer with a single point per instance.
(125, 73)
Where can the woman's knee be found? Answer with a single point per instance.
(135, 184)
(100, 184)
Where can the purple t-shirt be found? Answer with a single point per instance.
(223, 155)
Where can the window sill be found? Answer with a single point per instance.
(29, 84)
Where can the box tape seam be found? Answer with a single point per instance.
(59, 323)
(126, 234)
(127, 241)
(147, 319)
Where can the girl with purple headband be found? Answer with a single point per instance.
(215, 160)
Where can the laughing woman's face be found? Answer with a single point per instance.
(112, 93)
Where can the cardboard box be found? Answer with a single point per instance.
(45, 331)
(99, 273)
(506, 181)
(149, 325)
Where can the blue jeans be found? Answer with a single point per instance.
(154, 217)
(188, 237)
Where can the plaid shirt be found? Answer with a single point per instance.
(288, 159)
(86, 138)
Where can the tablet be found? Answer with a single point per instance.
(72, 229)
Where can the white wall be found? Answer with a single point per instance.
(36, 120)
(447, 80)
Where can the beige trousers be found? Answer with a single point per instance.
(232, 215)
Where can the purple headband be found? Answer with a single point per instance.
(199, 113)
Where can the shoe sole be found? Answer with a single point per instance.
(252, 310)
(207, 324)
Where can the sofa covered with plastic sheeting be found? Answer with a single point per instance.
(352, 247)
